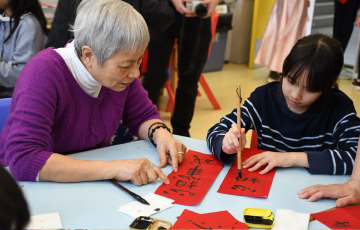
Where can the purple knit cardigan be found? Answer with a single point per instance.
(50, 113)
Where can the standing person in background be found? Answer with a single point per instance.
(193, 36)
(286, 25)
(22, 34)
(356, 82)
(344, 20)
(157, 13)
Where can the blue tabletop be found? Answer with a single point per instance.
(94, 204)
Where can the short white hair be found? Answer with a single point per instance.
(109, 26)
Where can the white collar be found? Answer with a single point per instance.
(80, 73)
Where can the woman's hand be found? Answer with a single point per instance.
(170, 150)
(230, 143)
(348, 193)
(138, 171)
(275, 159)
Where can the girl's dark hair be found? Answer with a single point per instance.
(20, 7)
(318, 56)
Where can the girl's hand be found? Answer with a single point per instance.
(138, 171)
(230, 143)
(348, 193)
(170, 150)
(275, 159)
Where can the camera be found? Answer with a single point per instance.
(146, 222)
(199, 9)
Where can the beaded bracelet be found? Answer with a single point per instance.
(155, 123)
(151, 135)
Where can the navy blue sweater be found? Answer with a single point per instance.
(329, 136)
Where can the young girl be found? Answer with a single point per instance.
(302, 120)
(22, 34)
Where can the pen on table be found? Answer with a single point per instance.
(136, 196)
(239, 126)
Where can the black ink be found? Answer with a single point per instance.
(180, 183)
(193, 184)
(187, 177)
(181, 192)
(341, 224)
(194, 171)
(243, 188)
(254, 180)
(198, 160)
(202, 227)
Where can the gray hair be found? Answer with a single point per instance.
(108, 26)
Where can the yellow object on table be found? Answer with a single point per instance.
(258, 218)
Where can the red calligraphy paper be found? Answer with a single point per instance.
(354, 211)
(251, 184)
(340, 218)
(192, 181)
(214, 220)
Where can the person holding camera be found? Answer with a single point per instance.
(193, 35)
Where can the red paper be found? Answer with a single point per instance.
(214, 220)
(340, 218)
(190, 184)
(251, 184)
(354, 211)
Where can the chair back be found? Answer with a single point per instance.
(4, 111)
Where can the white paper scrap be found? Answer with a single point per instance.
(288, 219)
(45, 221)
(157, 204)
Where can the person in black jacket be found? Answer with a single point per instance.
(157, 14)
(193, 36)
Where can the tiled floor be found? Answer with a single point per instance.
(223, 84)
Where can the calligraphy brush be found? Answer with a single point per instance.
(136, 196)
(239, 126)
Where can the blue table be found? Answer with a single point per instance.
(93, 205)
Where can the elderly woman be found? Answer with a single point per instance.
(72, 99)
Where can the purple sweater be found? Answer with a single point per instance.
(50, 113)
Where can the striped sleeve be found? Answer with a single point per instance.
(250, 119)
(339, 160)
